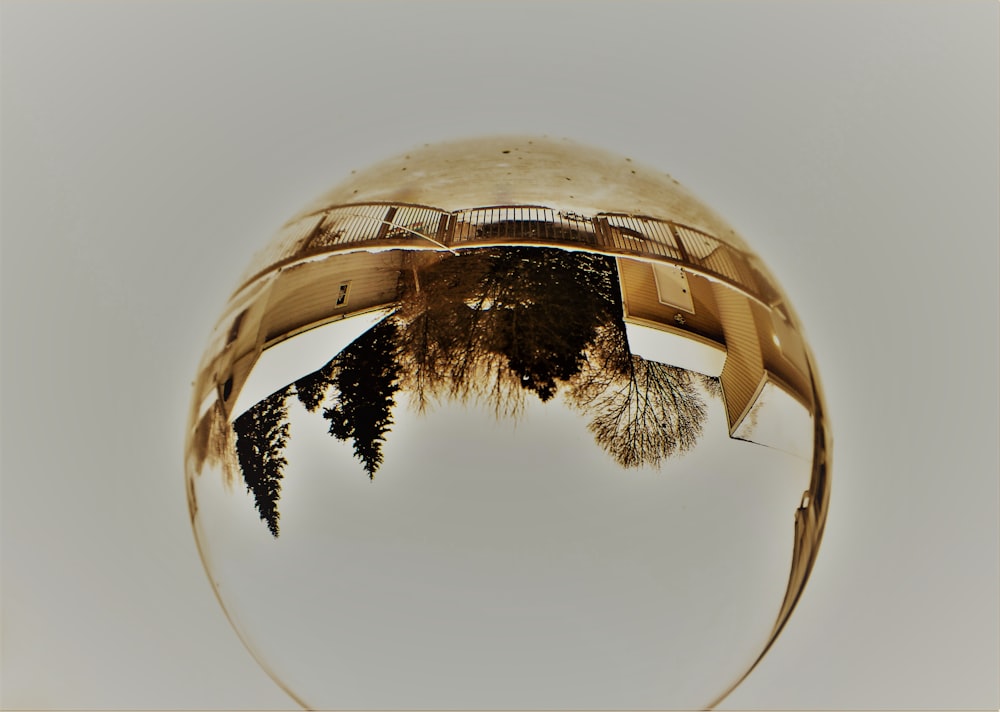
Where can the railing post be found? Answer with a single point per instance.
(317, 230)
(445, 226)
(680, 243)
(602, 234)
(386, 223)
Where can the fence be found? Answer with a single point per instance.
(367, 225)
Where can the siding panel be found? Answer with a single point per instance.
(306, 294)
(641, 300)
(743, 372)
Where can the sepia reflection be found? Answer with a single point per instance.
(494, 326)
(636, 346)
(560, 356)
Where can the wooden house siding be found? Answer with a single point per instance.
(754, 357)
(305, 295)
(784, 359)
(235, 335)
(291, 301)
(743, 373)
(390, 224)
(640, 300)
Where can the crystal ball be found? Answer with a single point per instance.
(507, 423)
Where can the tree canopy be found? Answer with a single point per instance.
(494, 325)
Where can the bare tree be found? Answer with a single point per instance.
(494, 325)
(437, 326)
(212, 443)
(711, 384)
(643, 414)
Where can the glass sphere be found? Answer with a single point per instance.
(508, 423)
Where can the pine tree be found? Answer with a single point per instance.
(495, 324)
(312, 388)
(549, 306)
(261, 436)
(366, 379)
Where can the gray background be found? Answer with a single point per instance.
(149, 148)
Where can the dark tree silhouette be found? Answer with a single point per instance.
(445, 335)
(366, 379)
(261, 436)
(495, 325)
(312, 389)
(548, 306)
(498, 322)
(436, 334)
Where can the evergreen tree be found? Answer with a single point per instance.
(548, 306)
(366, 379)
(261, 436)
(497, 323)
(312, 388)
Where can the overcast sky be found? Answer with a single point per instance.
(149, 148)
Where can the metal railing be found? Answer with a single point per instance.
(367, 225)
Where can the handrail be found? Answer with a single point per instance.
(355, 226)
